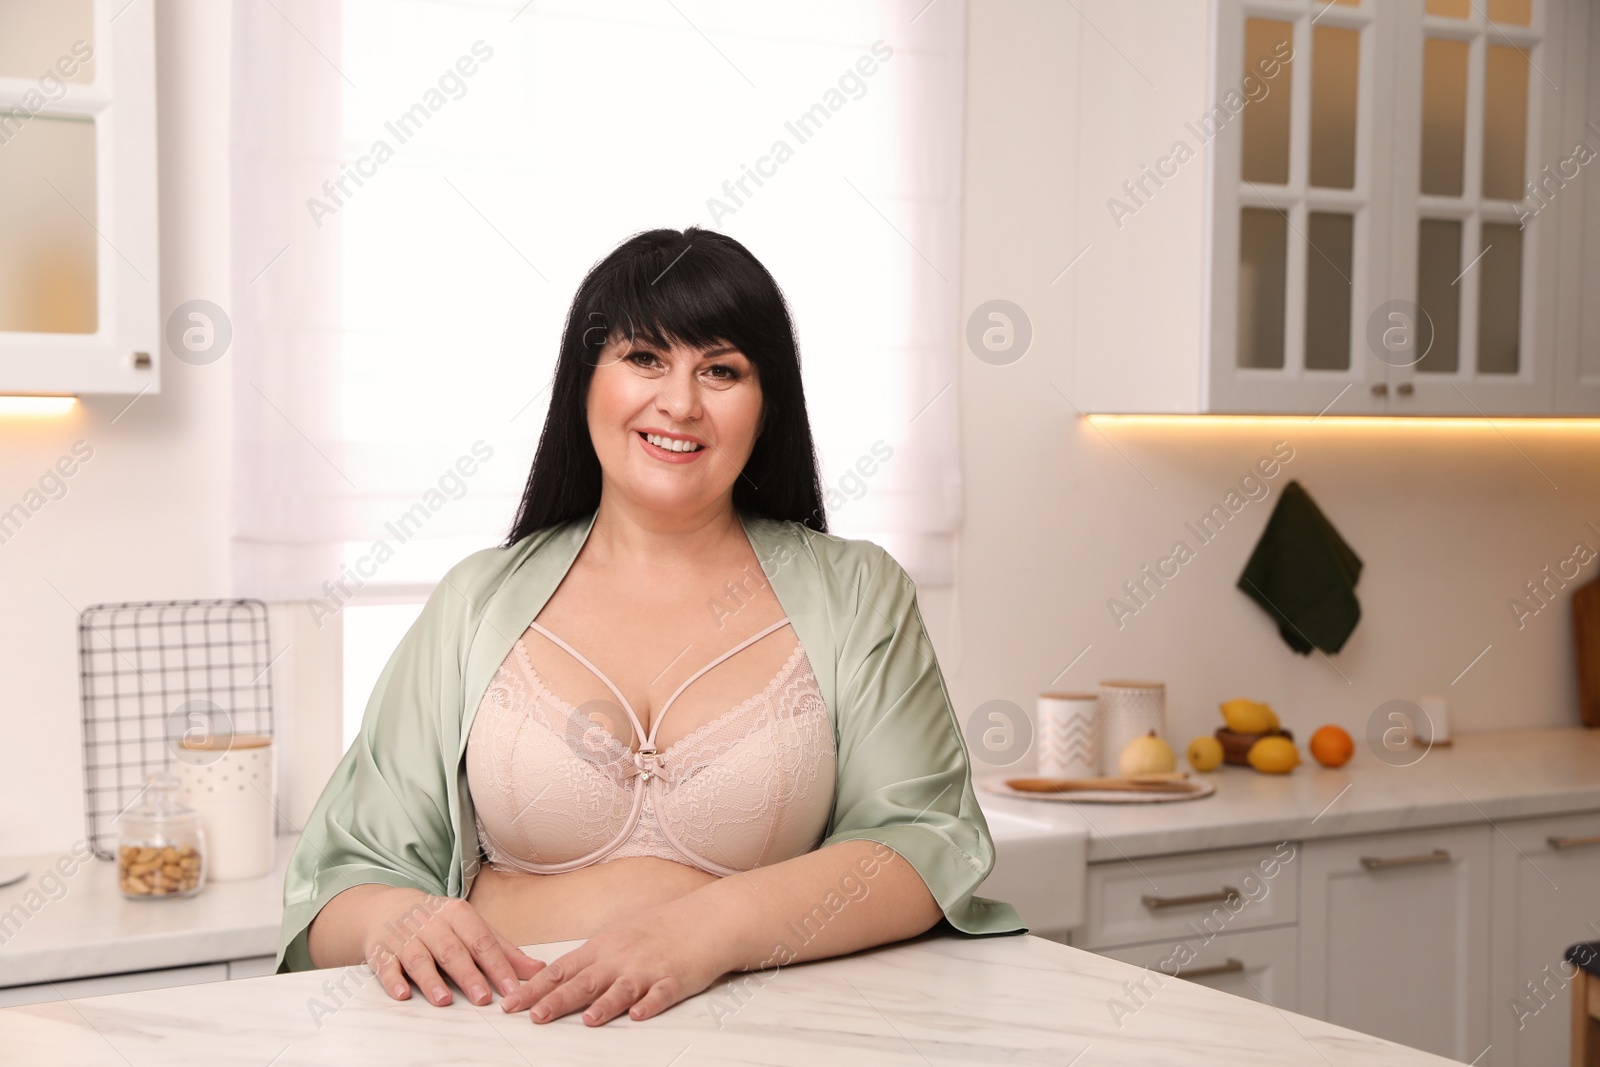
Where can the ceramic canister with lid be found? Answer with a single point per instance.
(1129, 710)
(228, 780)
(1069, 735)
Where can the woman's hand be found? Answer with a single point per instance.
(642, 965)
(411, 933)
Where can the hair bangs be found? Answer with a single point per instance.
(664, 296)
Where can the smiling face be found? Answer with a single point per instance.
(673, 426)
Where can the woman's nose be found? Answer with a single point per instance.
(679, 395)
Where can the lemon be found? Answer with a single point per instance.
(1205, 753)
(1147, 755)
(1248, 717)
(1274, 755)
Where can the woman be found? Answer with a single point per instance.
(675, 716)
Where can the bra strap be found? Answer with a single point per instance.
(650, 741)
(637, 726)
(746, 643)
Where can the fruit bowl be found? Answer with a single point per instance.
(1236, 746)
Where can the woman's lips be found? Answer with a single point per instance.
(666, 455)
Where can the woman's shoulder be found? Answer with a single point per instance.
(488, 567)
(850, 557)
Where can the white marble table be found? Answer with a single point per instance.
(937, 999)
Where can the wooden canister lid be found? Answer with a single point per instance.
(225, 742)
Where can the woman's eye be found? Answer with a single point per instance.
(730, 375)
(640, 357)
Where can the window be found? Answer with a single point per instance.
(421, 184)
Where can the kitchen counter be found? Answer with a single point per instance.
(88, 929)
(58, 928)
(936, 999)
(1482, 776)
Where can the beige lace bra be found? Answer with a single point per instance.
(554, 790)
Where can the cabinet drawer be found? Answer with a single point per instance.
(253, 967)
(1255, 964)
(1199, 894)
(132, 982)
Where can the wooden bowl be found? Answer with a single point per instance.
(1236, 746)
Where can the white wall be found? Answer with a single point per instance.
(1449, 523)
(147, 516)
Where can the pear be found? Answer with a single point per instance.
(1147, 755)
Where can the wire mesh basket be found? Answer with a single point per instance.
(155, 672)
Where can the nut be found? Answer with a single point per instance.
(158, 870)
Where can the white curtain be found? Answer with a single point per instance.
(421, 184)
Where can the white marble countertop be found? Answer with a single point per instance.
(1495, 775)
(87, 928)
(936, 999)
(55, 928)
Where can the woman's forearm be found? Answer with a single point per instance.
(336, 936)
(845, 897)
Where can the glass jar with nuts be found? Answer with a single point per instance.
(160, 846)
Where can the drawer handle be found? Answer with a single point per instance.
(1376, 863)
(1233, 966)
(1574, 842)
(1225, 895)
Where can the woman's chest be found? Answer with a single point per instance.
(656, 665)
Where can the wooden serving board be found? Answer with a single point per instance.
(1586, 632)
(1203, 787)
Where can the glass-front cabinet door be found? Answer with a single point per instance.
(1391, 211)
(1300, 226)
(1472, 251)
(78, 239)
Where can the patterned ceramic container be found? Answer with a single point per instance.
(1069, 735)
(1129, 710)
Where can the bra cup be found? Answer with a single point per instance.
(764, 799)
(583, 798)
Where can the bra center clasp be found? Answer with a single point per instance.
(648, 760)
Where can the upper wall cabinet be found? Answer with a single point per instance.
(79, 301)
(1359, 207)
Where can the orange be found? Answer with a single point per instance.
(1332, 747)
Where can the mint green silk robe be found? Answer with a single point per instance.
(397, 809)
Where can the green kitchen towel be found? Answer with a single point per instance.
(1304, 575)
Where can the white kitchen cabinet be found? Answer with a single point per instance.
(1394, 936)
(1546, 898)
(79, 248)
(1358, 207)
(254, 967)
(104, 985)
(1258, 965)
(135, 981)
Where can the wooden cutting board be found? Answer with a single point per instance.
(1586, 632)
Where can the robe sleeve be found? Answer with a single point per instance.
(903, 776)
(384, 815)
